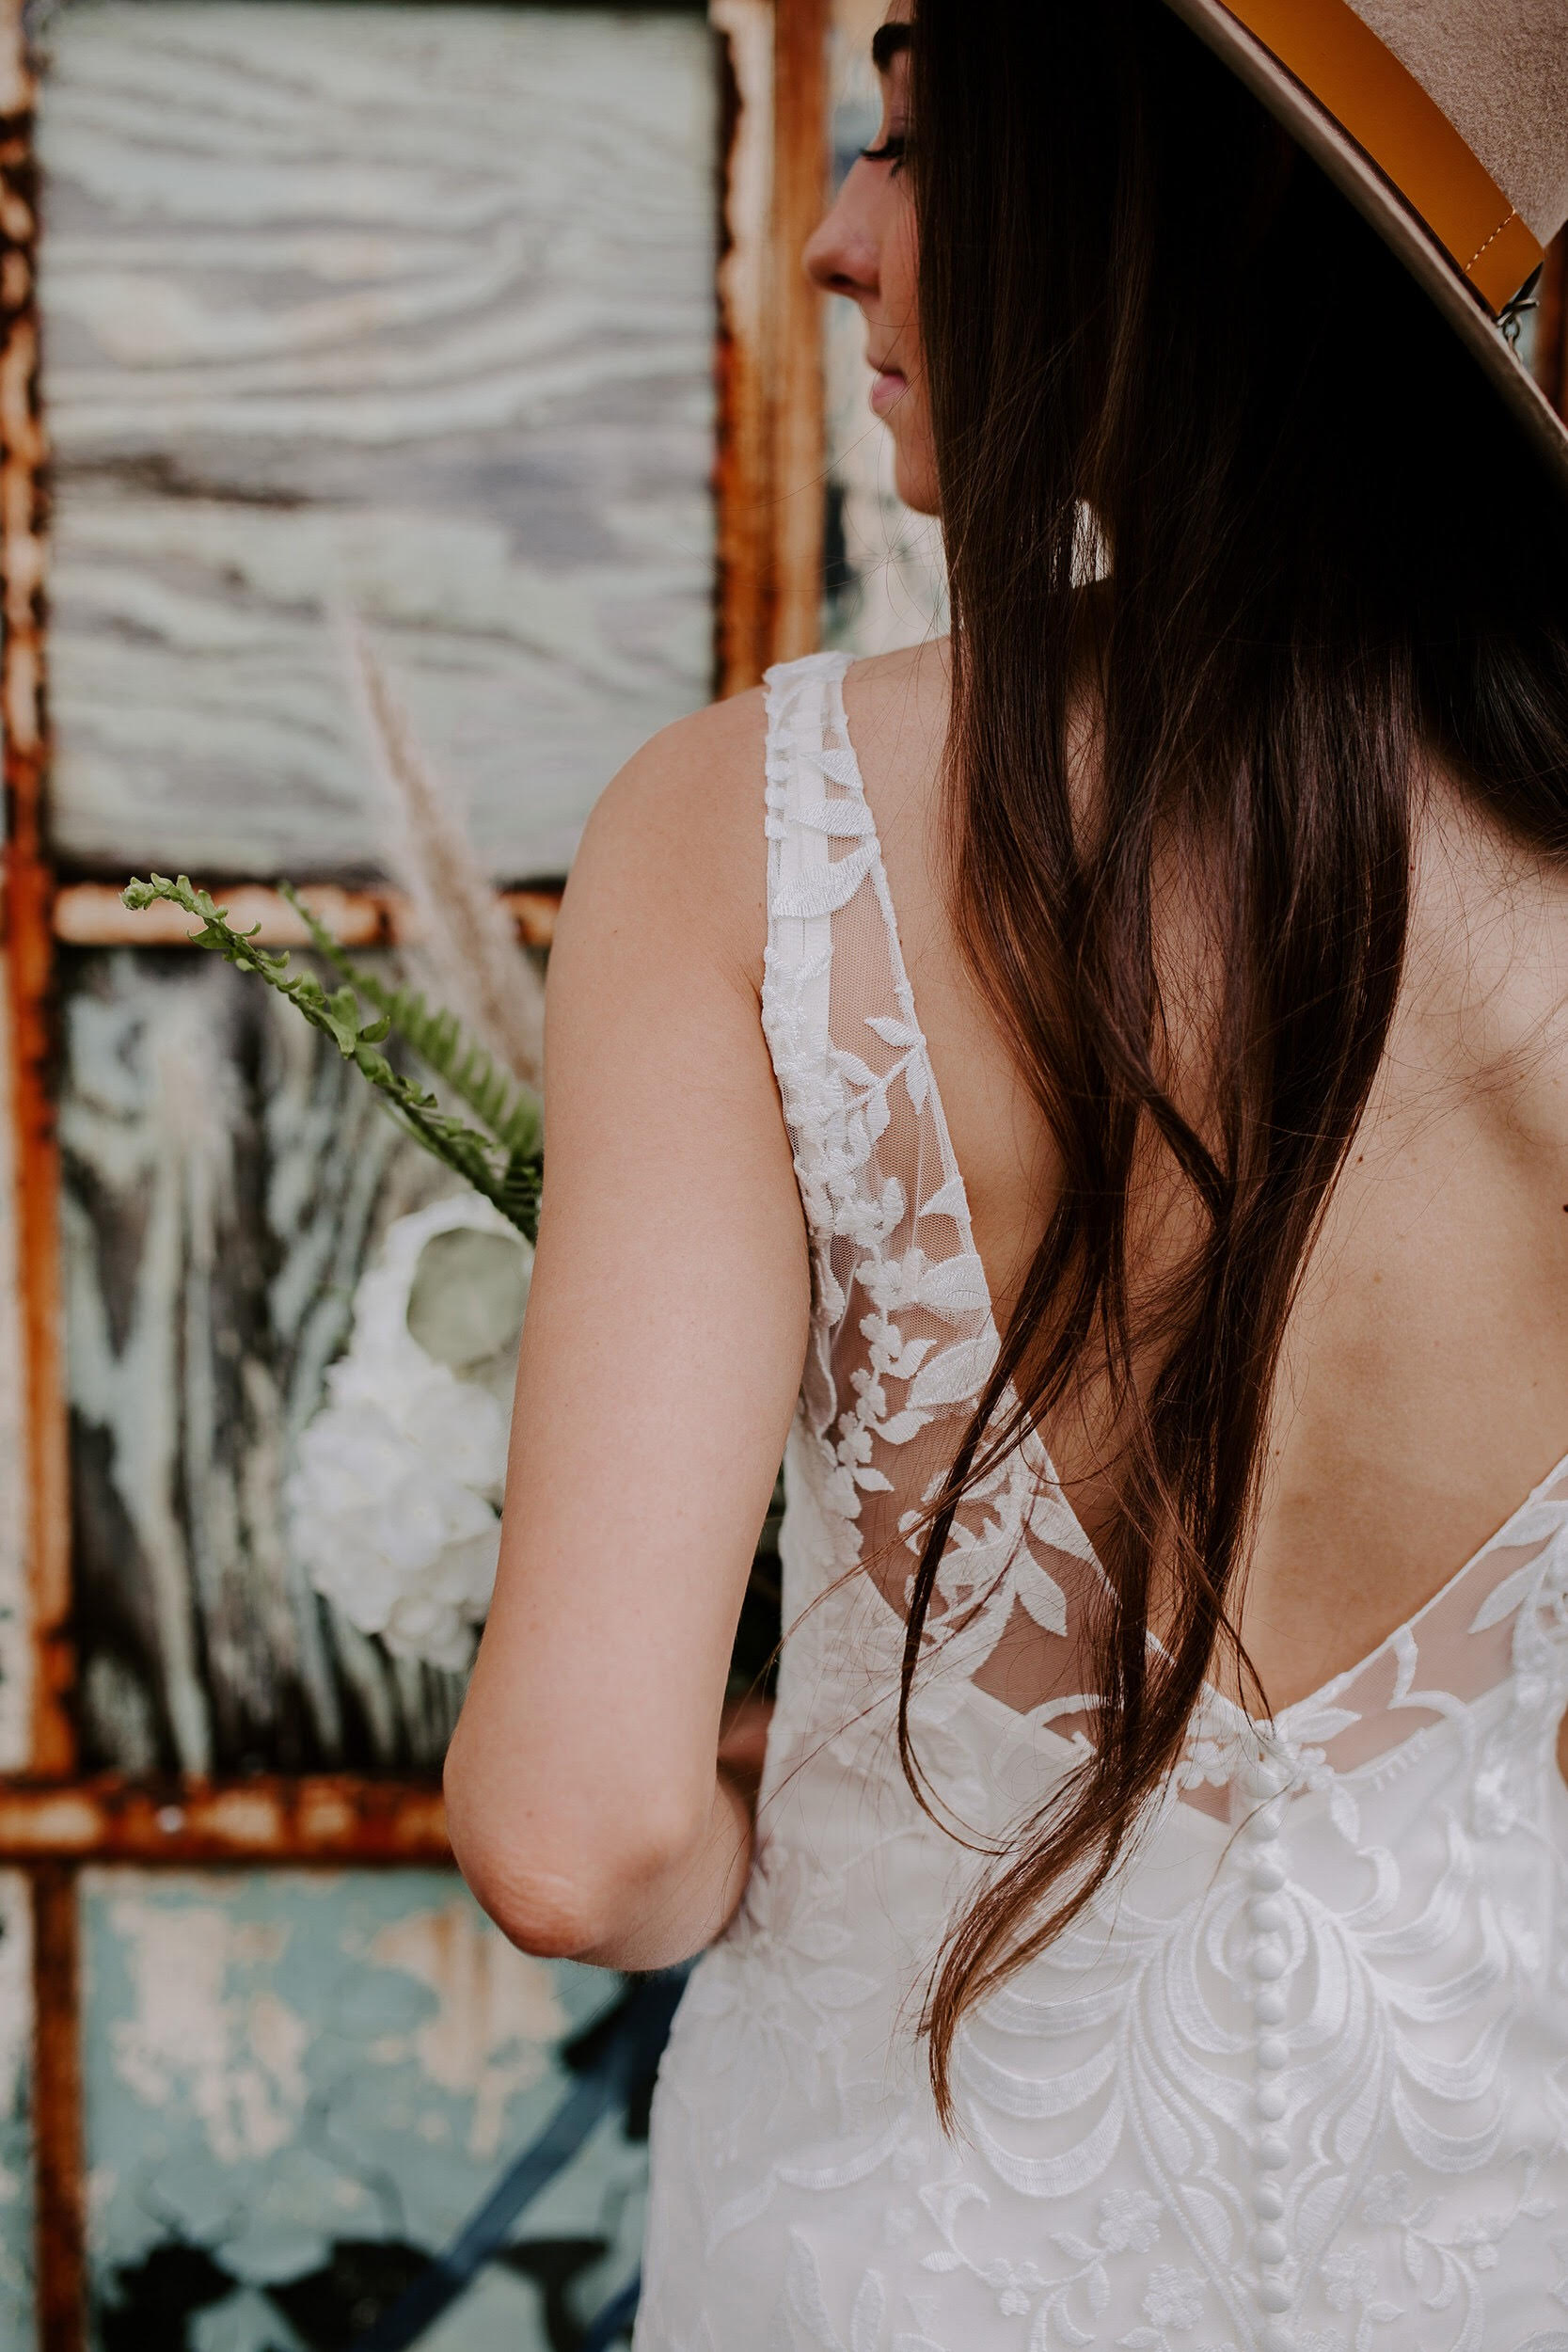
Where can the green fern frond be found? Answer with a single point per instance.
(508, 1110)
(505, 1163)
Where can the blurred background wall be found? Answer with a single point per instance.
(482, 322)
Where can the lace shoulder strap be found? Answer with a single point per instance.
(823, 864)
(809, 878)
(903, 1334)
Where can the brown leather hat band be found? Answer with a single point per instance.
(1341, 63)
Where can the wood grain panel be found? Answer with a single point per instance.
(18, 2255)
(412, 308)
(226, 1180)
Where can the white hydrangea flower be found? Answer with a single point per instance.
(395, 1501)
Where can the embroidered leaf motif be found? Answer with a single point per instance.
(1506, 1598)
(957, 1375)
(954, 1286)
(865, 2321)
(803, 2286)
(823, 889)
(947, 1202)
(891, 1032)
(842, 821)
(1042, 1596)
(946, 2199)
(942, 2261)
(840, 768)
(917, 1080)
(900, 1427)
(1344, 1812)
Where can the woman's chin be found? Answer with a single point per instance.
(915, 482)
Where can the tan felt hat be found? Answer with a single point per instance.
(1446, 122)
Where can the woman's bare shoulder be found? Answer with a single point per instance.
(681, 827)
(923, 671)
(896, 705)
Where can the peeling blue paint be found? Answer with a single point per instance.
(295, 2081)
(16, 2177)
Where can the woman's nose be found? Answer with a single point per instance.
(841, 252)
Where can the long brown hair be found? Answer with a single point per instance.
(1327, 558)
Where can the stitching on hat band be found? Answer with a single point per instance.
(1339, 61)
(1512, 214)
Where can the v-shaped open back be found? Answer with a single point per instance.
(904, 1333)
(1299, 2078)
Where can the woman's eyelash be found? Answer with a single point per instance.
(892, 150)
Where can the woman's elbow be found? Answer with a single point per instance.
(560, 1893)
(553, 1915)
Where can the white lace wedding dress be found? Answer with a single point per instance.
(1300, 2082)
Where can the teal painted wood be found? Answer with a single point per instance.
(407, 305)
(226, 1180)
(16, 2188)
(299, 2086)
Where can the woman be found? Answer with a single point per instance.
(1154, 1249)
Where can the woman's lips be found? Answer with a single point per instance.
(889, 385)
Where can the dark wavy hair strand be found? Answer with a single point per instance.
(1328, 559)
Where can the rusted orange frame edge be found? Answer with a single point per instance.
(92, 914)
(1551, 326)
(323, 1817)
(773, 69)
(55, 2091)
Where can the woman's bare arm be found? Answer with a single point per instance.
(665, 1335)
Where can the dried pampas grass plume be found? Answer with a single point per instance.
(466, 934)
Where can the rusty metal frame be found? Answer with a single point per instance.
(317, 1819)
(1551, 325)
(93, 915)
(772, 65)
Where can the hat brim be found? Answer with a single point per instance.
(1380, 203)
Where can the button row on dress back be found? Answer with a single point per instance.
(1267, 1782)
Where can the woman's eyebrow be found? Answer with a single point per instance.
(887, 43)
